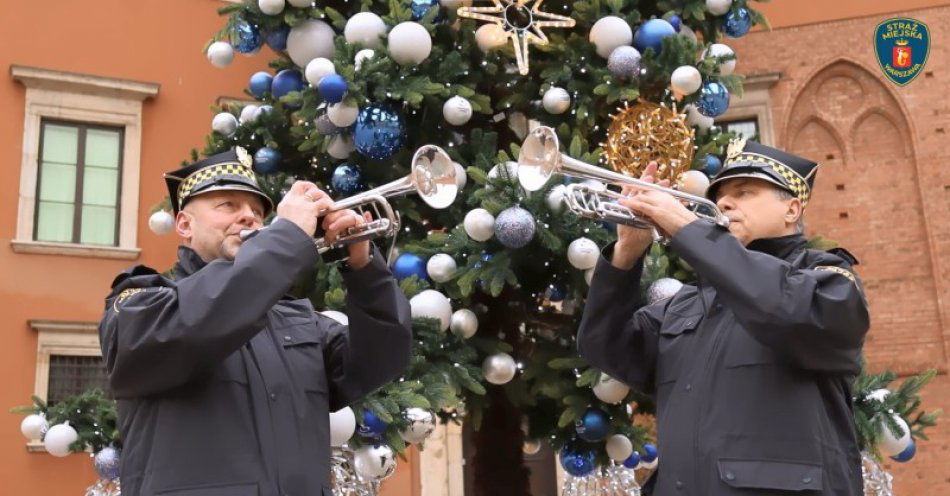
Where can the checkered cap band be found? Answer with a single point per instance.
(200, 178)
(795, 182)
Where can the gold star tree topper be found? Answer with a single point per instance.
(522, 21)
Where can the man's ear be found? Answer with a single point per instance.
(794, 211)
(184, 224)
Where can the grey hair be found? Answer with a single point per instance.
(784, 194)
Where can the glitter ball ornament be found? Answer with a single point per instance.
(380, 131)
(106, 462)
(499, 368)
(246, 38)
(514, 227)
(646, 132)
(662, 289)
(624, 62)
(421, 424)
(738, 23)
(347, 179)
(714, 100)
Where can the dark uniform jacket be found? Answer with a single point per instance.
(751, 368)
(224, 384)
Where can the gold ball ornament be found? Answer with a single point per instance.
(645, 132)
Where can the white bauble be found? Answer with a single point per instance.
(662, 289)
(589, 275)
(555, 198)
(341, 146)
(718, 7)
(432, 304)
(511, 171)
(363, 55)
(688, 33)
(364, 28)
(161, 222)
(556, 100)
(610, 390)
(220, 54)
(300, 3)
(441, 267)
(499, 368)
(878, 394)
(479, 224)
(249, 113)
(224, 123)
(888, 444)
(686, 80)
(461, 176)
(337, 316)
(457, 110)
(695, 118)
(490, 36)
(342, 114)
(409, 43)
(619, 448)
(342, 426)
(694, 182)
(374, 462)
(582, 253)
(34, 426)
(58, 438)
(271, 7)
(317, 69)
(464, 323)
(531, 446)
(720, 50)
(421, 425)
(608, 33)
(309, 40)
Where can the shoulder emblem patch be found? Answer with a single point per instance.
(837, 270)
(125, 295)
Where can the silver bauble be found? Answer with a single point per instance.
(499, 368)
(464, 323)
(624, 62)
(662, 289)
(421, 425)
(374, 462)
(610, 390)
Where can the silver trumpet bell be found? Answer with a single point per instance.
(540, 158)
(432, 177)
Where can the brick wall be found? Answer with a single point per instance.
(883, 190)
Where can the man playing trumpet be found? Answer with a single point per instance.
(751, 368)
(223, 381)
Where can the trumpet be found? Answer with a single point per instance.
(540, 158)
(432, 177)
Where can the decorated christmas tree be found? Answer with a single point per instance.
(496, 279)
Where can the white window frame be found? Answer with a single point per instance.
(755, 103)
(64, 338)
(88, 99)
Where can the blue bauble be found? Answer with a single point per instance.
(907, 454)
(649, 453)
(651, 35)
(332, 88)
(260, 84)
(277, 39)
(246, 38)
(555, 292)
(347, 179)
(266, 160)
(712, 165)
(514, 227)
(420, 8)
(714, 100)
(632, 461)
(593, 426)
(379, 131)
(371, 426)
(738, 23)
(408, 265)
(676, 22)
(106, 463)
(286, 81)
(577, 462)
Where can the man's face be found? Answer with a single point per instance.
(211, 223)
(757, 209)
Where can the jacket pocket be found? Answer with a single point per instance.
(304, 350)
(770, 474)
(246, 489)
(674, 340)
(746, 351)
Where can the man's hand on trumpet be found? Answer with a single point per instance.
(337, 223)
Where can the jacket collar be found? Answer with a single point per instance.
(188, 262)
(782, 247)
